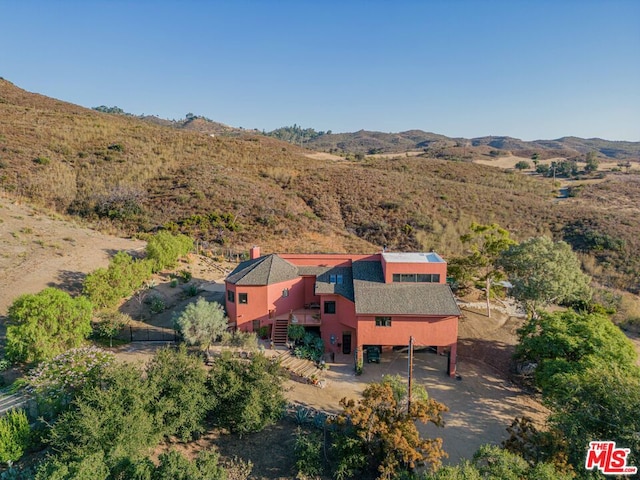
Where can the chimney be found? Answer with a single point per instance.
(254, 252)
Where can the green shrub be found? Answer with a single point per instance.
(42, 160)
(4, 364)
(156, 304)
(15, 435)
(164, 249)
(263, 332)
(240, 339)
(55, 382)
(105, 287)
(46, 324)
(116, 147)
(308, 450)
(296, 332)
(190, 290)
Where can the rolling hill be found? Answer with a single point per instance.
(121, 173)
(365, 142)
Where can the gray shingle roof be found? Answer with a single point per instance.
(362, 283)
(324, 285)
(311, 270)
(265, 270)
(374, 297)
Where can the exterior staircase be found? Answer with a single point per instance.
(301, 367)
(280, 332)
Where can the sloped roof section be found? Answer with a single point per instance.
(374, 297)
(266, 270)
(336, 280)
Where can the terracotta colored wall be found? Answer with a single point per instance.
(262, 299)
(432, 331)
(294, 301)
(310, 290)
(229, 306)
(256, 307)
(393, 267)
(344, 320)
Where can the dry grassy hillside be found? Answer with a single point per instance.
(125, 174)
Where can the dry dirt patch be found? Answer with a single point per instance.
(37, 251)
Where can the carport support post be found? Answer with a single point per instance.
(453, 353)
(410, 367)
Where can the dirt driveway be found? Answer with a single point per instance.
(481, 403)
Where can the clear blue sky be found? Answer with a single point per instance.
(529, 69)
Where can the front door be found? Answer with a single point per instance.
(346, 343)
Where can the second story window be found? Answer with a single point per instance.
(329, 307)
(231, 296)
(416, 277)
(285, 292)
(242, 298)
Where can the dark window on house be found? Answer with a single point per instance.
(242, 298)
(285, 292)
(383, 321)
(339, 279)
(231, 296)
(329, 307)
(255, 325)
(416, 277)
(332, 279)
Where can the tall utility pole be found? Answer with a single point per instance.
(410, 372)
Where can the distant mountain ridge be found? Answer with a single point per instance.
(368, 142)
(372, 142)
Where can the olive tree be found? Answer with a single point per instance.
(202, 323)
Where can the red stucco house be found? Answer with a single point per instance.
(353, 301)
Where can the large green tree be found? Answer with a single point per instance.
(114, 417)
(246, 396)
(178, 382)
(493, 463)
(586, 369)
(45, 324)
(570, 342)
(543, 272)
(599, 403)
(202, 323)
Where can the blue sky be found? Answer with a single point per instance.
(529, 69)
